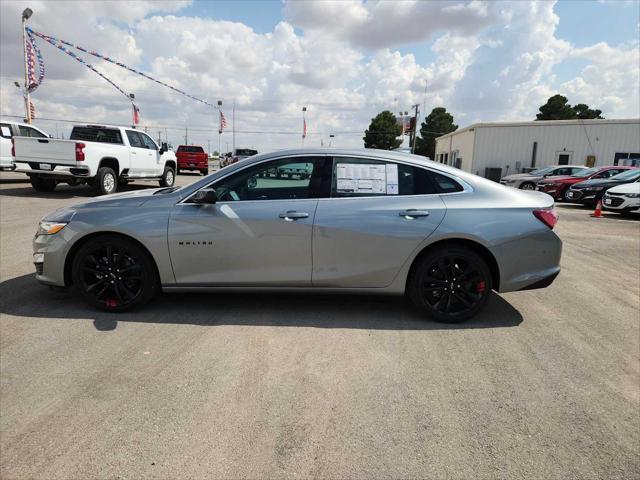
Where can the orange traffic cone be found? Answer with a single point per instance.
(597, 213)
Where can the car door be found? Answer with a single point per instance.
(257, 234)
(152, 166)
(138, 154)
(379, 212)
(6, 159)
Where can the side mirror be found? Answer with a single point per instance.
(252, 183)
(206, 196)
(50, 136)
(164, 148)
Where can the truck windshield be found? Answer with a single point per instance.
(190, 149)
(96, 134)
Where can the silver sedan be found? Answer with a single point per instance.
(362, 221)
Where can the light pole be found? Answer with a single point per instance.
(234, 126)
(304, 125)
(219, 125)
(26, 14)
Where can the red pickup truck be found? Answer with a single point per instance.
(192, 157)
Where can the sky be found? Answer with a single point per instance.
(344, 61)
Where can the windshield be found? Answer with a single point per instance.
(627, 176)
(585, 173)
(542, 171)
(190, 149)
(245, 152)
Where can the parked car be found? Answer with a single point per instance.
(558, 187)
(192, 157)
(365, 221)
(99, 155)
(237, 155)
(527, 181)
(590, 191)
(624, 198)
(10, 129)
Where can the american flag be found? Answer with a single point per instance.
(136, 114)
(223, 121)
(32, 110)
(304, 128)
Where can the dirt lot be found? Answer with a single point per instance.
(544, 384)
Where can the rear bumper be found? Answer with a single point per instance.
(543, 283)
(57, 170)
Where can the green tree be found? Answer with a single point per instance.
(583, 111)
(383, 132)
(439, 122)
(558, 108)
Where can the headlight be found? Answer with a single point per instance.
(594, 189)
(632, 195)
(550, 184)
(50, 228)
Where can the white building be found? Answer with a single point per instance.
(493, 150)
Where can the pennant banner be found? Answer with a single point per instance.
(60, 45)
(34, 63)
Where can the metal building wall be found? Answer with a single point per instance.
(499, 146)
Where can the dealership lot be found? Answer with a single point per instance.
(544, 383)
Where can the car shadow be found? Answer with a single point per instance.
(66, 191)
(24, 297)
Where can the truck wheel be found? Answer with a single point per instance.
(106, 181)
(42, 184)
(168, 177)
(204, 172)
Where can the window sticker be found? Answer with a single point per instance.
(6, 132)
(367, 178)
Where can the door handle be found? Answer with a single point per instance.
(291, 215)
(412, 213)
(133, 153)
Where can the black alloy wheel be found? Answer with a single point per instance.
(114, 274)
(451, 284)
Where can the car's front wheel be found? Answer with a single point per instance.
(168, 177)
(527, 186)
(450, 284)
(114, 274)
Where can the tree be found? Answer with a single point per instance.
(383, 132)
(583, 111)
(439, 122)
(558, 108)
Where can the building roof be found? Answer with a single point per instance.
(543, 123)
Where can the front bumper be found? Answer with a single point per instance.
(584, 195)
(49, 253)
(620, 203)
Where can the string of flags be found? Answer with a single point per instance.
(59, 43)
(35, 64)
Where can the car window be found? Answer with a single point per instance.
(5, 130)
(627, 175)
(577, 170)
(29, 132)
(134, 139)
(96, 134)
(148, 143)
(360, 177)
(190, 149)
(563, 171)
(284, 179)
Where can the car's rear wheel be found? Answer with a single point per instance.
(106, 181)
(450, 284)
(565, 195)
(527, 186)
(114, 274)
(42, 184)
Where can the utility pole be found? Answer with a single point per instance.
(186, 133)
(159, 137)
(219, 128)
(415, 127)
(304, 125)
(26, 14)
(234, 126)
(208, 146)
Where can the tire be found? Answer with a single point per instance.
(114, 274)
(527, 186)
(565, 198)
(168, 177)
(42, 184)
(435, 277)
(106, 181)
(204, 172)
(178, 171)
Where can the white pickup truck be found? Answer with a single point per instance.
(99, 155)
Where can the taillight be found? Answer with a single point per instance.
(80, 152)
(547, 216)
(13, 147)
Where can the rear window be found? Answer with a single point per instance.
(190, 149)
(245, 152)
(96, 134)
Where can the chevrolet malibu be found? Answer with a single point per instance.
(361, 221)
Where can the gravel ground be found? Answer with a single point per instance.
(543, 384)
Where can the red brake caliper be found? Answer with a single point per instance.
(481, 286)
